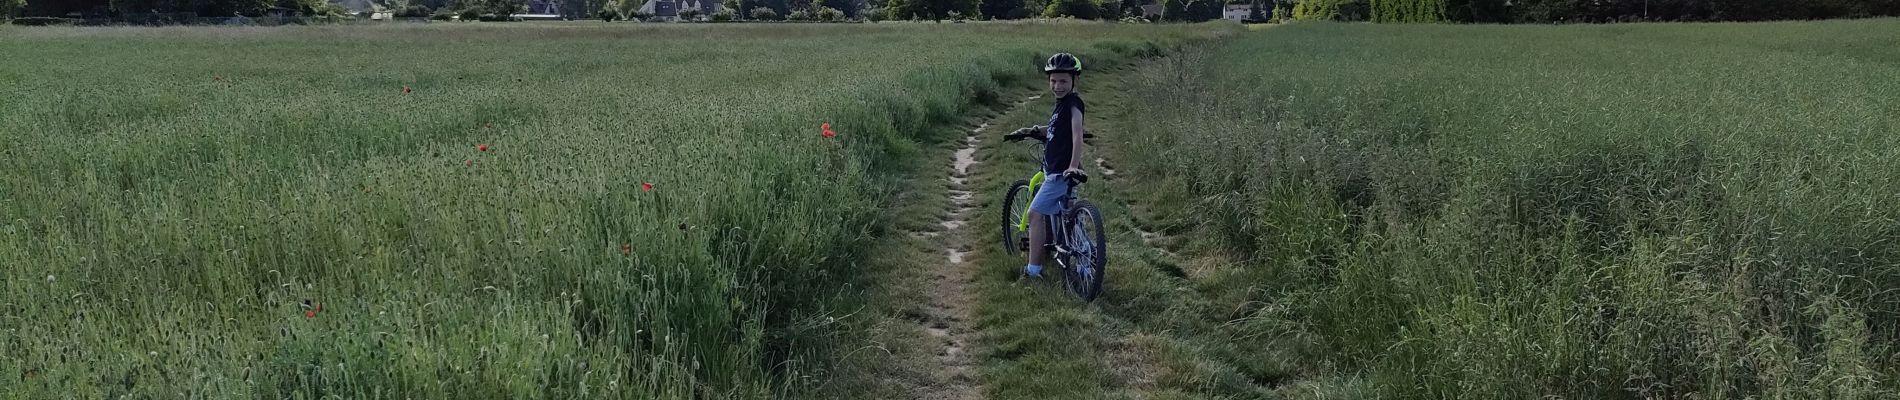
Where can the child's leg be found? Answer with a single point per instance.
(1048, 202)
(1038, 236)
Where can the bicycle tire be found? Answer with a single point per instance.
(1086, 271)
(1014, 204)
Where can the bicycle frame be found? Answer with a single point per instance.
(1035, 182)
(1058, 234)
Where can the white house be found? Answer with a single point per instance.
(1237, 12)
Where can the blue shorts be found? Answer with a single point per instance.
(1050, 196)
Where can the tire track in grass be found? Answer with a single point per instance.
(921, 343)
(1170, 337)
(947, 313)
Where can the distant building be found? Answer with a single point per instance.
(669, 10)
(544, 7)
(1237, 12)
(1151, 11)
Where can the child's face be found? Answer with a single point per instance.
(1060, 84)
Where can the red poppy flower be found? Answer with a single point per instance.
(626, 248)
(647, 186)
(468, 163)
(310, 314)
(481, 147)
(405, 89)
(827, 130)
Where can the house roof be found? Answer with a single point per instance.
(659, 8)
(671, 8)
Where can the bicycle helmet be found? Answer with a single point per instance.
(1063, 62)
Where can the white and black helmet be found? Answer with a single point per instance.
(1063, 62)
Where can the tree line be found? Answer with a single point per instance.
(1583, 11)
(249, 8)
(1461, 11)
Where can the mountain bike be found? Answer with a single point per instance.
(1076, 242)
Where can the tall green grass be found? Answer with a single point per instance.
(171, 195)
(1618, 211)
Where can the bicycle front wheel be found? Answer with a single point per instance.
(1086, 238)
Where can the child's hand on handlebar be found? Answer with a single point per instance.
(1019, 134)
(1076, 175)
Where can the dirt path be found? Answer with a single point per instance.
(948, 313)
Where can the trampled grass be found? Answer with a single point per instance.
(171, 196)
(1616, 211)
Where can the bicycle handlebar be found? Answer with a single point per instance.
(1078, 177)
(1031, 133)
(1035, 133)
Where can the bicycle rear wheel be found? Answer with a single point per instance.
(1090, 246)
(1015, 205)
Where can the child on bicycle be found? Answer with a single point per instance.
(1062, 156)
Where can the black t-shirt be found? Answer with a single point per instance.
(1055, 156)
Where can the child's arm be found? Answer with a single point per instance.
(1076, 129)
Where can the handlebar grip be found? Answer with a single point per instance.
(1078, 177)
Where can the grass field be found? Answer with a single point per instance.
(561, 210)
(1510, 212)
(467, 204)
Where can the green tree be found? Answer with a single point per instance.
(10, 8)
(1131, 8)
(1001, 9)
(1756, 10)
(1202, 10)
(935, 10)
(58, 8)
(848, 7)
(1316, 10)
(1408, 11)
(1083, 9)
(782, 7)
(746, 6)
(447, 4)
(1174, 10)
(203, 7)
(1481, 10)
(1110, 10)
(503, 7)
